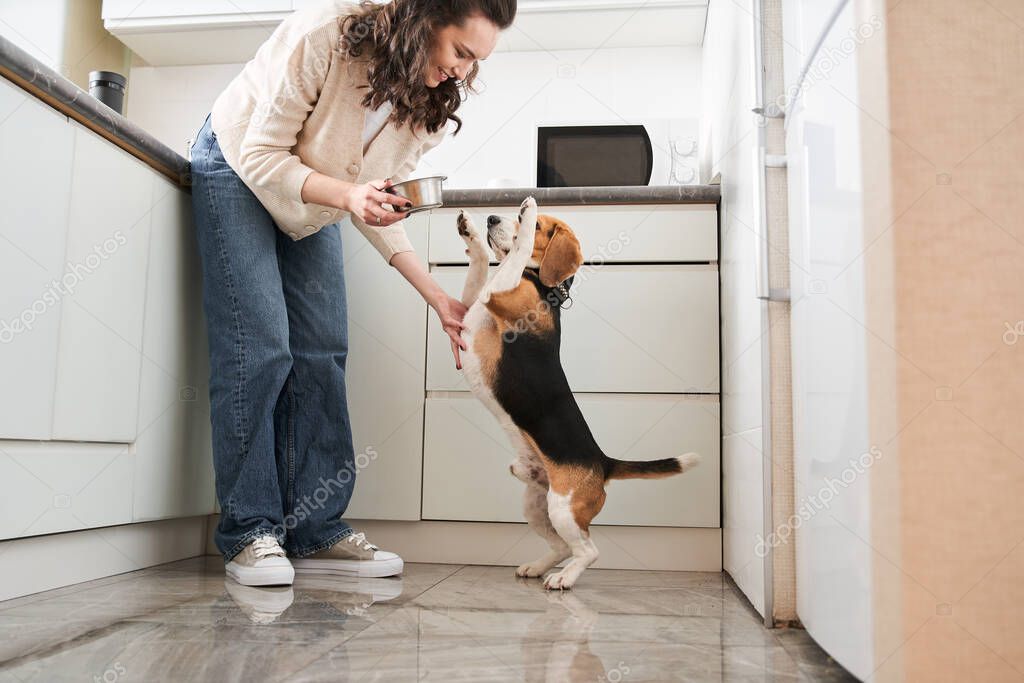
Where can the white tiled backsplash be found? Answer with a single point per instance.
(517, 90)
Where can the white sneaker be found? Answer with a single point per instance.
(261, 563)
(352, 556)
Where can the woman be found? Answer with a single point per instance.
(279, 161)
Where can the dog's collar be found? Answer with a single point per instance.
(560, 292)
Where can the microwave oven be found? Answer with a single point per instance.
(652, 152)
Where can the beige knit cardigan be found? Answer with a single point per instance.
(295, 108)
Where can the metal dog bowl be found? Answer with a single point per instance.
(424, 193)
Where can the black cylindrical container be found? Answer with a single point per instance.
(108, 88)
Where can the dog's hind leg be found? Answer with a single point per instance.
(571, 510)
(478, 259)
(535, 509)
(528, 468)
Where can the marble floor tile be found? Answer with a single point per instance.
(812, 660)
(186, 622)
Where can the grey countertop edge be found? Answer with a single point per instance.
(79, 105)
(639, 194)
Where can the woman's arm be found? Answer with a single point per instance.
(450, 311)
(363, 200)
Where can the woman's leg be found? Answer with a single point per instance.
(247, 325)
(317, 473)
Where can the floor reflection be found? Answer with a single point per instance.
(568, 658)
(185, 622)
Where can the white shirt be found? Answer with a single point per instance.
(375, 121)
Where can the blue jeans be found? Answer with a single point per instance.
(277, 326)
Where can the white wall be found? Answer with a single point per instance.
(171, 102)
(729, 140)
(66, 35)
(520, 90)
(36, 26)
(517, 90)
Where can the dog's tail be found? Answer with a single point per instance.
(650, 469)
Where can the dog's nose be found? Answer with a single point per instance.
(493, 220)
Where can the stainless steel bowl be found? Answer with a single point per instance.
(424, 193)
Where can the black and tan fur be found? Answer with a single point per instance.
(513, 330)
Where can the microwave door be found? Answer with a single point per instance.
(593, 156)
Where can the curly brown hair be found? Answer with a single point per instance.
(396, 38)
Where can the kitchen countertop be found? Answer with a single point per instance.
(636, 194)
(49, 86)
(41, 81)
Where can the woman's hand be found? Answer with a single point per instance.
(359, 200)
(365, 202)
(451, 312)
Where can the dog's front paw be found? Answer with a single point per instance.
(527, 225)
(465, 225)
(469, 235)
(528, 211)
(558, 581)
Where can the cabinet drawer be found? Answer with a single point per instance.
(56, 486)
(466, 457)
(671, 233)
(630, 329)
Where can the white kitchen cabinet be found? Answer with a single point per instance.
(639, 347)
(165, 32)
(174, 11)
(631, 328)
(173, 459)
(173, 32)
(387, 322)
(51, 487)
(35, 183)
(98, 360)
(467, 455)
(660, 233)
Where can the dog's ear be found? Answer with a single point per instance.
(562, 257)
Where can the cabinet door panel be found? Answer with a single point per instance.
(608, 234)
(174, 468)
(387, 333)
(630, 329)
(466, 459)
(35, 183)
(101, 321)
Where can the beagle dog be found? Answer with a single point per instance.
(513, 330)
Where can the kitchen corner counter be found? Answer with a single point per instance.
(28, 73)
(642, 194)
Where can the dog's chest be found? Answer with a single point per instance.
(480, 362)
